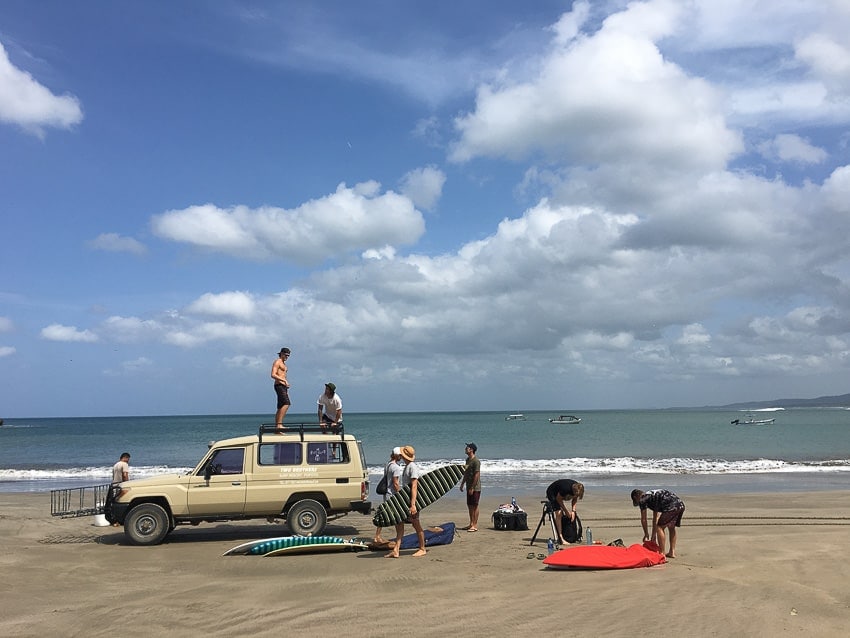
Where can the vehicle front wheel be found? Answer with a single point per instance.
(307, 518)
(147, 524)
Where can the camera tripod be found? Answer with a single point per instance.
(547, 513)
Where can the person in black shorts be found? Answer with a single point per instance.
(281, 387)
(667, 511)
(558, 494)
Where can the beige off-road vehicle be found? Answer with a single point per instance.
(302, 475)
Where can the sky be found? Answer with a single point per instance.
(487, 205)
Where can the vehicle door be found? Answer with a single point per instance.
(220, 485)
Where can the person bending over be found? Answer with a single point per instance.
(667, 511)
(563, 495)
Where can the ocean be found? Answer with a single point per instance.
(612, 450)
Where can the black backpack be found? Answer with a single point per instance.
(383, 485)
(572, 530)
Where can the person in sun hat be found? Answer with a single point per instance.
(472, 480)
(411, 474)
(330, 408)
(281, 387)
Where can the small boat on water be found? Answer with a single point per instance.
(567, 419)
(515, 417)
(751, 420)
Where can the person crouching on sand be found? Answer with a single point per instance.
(411, 475)
(667, 510)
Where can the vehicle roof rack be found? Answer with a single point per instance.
(301, 428)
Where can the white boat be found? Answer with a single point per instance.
(566, 418)
(751, 420)
(515, 417)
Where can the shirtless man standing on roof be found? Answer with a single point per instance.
(281, 388)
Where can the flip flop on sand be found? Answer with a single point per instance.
(472, 529)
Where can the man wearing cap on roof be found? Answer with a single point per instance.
(392, 472)
(411, 474)
(330, 409)
(281, 388)
(472, 480)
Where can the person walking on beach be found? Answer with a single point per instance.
(557, 494)
(667, 511)
(281, 387)
(411, 474)
(472, 480)
(330, 409)
(392, 472)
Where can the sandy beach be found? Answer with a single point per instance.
(748, 565)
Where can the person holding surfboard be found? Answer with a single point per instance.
(667, 511)
(281, 387)
(411, 474)
(472, 480)
(557, 494)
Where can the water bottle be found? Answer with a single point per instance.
(589, 536)
(513, 503)
(551, 546)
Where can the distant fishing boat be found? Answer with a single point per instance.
(567, 419)
(751, 420)
(515, 417)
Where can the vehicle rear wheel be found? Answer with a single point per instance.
(147, 524)
(307, 518)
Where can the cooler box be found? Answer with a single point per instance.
(510, 520)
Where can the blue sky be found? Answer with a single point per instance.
(437, 206)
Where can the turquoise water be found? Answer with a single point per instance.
(609, 449)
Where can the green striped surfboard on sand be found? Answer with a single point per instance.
(432, 486)
(294, 545)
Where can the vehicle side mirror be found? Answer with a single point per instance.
(208, 471)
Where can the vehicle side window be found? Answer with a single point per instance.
(280, 454)
(323, 453)
(228, 461)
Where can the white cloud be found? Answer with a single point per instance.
(829, 60)
(608, 97)
(793, 148)
(6, 324)
(58, 332)
(348, 220)
(239, 305)
(7, 351)
(130, 329)
(28, 104)
(423, 186)
(244, 362)
(115, 243)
